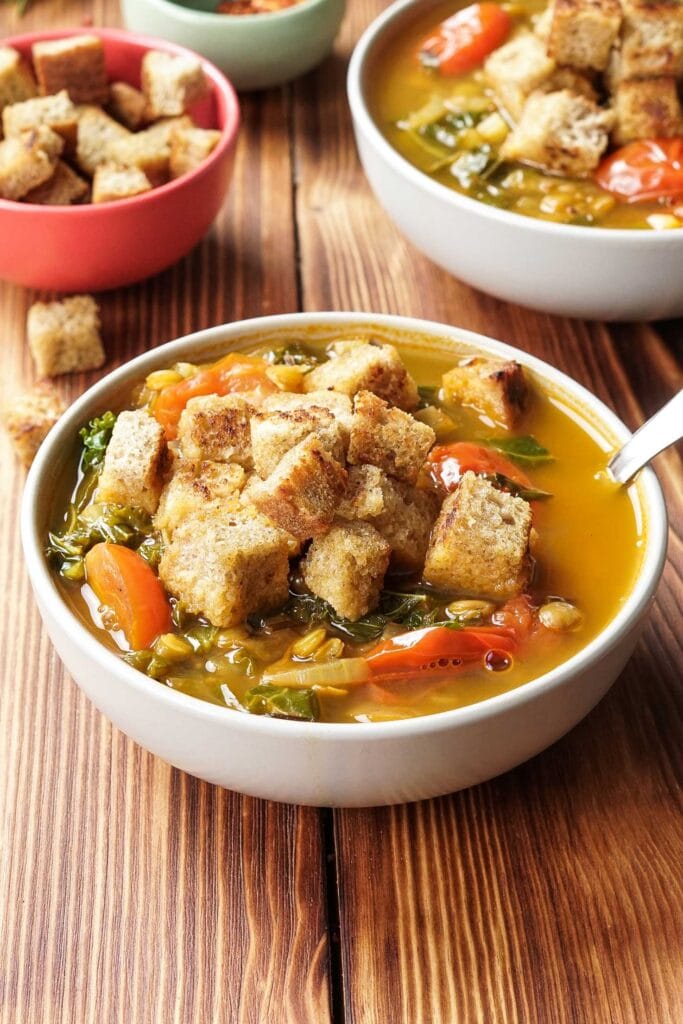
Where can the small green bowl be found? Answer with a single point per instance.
(255, 51)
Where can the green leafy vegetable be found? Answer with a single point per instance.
(96, 436)
(282, 702)
(118, 524)
(504, 483)
(293, 355)
(428, 396)
(413, 610)
(521, 449)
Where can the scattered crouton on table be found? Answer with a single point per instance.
(28, 418)
(64, 337)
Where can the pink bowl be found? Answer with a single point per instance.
(93, 247)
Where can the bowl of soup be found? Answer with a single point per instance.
(340, 559)
(525, 177)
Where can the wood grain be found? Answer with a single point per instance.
(132, 892)
(553, 894)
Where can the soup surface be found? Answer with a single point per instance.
(454, 127)
(390, 608)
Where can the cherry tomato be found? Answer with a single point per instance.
(462, 41)
(644, 170)
(447, 463)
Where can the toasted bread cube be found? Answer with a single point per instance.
(404, 515)
(480, 543)
(171, 84)
(217, 428)
(273, 434)
(127, 105)
(346, 568)
(388, 438)
(339, 405)
(562, 132)
(25, 163)
(579, 82)
(652, 38)
(226, 567)
(114, 181)
(494, 387)
(97, 132)
(302, 494)
(196, 488)
(75, 64)
(516, 69)
(150, 150)
(647, 108)
(64, 188)
(16, 80)
(583, 32)
(28, 419)
(132, 473)
(190, 147)
(359, 365)
(64, 337)
(56, 112)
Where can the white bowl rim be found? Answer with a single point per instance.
(229, 131)
(189, 14)
(650, 498)
(365, 122)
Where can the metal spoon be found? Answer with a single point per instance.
(656, 434)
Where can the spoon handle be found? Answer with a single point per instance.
(656, 434)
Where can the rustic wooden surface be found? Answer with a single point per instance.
(130, 892)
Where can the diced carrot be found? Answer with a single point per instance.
(448, 462)
(123, 581)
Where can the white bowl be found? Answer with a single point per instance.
(319, 763)
(256, 51)
(598, 273)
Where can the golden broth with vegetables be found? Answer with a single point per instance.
(586, 554)
(449, 127)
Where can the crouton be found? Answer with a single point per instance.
(97, 131)
(64, 337)
(114, 181)
(346, 568)
(516, 69)
(56, 112)
(359, 365)
(273, 434)
(149, 150)
(480, 543)
(652, 38)
(127, 105)
(226, 568)
(132, 473)
(171, 84)
(190, 148)
(339, 405)
(195, 488)
(25, 163)
(494, 387)
(647, 108)
(16, 80)
(216, 428)
(404, 515)
(578, 82)
(582, 32)
(388, 438)
(302, 494)
(75, 64)
(561, 132)
(64, 188)
(28, 418)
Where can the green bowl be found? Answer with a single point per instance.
(255, 51)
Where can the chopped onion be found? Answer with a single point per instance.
(341, 672)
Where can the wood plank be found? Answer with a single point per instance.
(128, 890)
(554, 892)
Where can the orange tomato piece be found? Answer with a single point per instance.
(123, 581)
(436, 650)
(644, 170)
(462, 41)
(447, 463)
(235, 373)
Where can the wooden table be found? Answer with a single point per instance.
(133, 893)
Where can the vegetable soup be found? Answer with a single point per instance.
(343, 531)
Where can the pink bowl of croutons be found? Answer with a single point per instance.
(117, 154)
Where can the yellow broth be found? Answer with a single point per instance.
(399, 87)
(588, 552)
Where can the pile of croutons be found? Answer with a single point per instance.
(326, 483)
(591, 72)
(71, 136)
